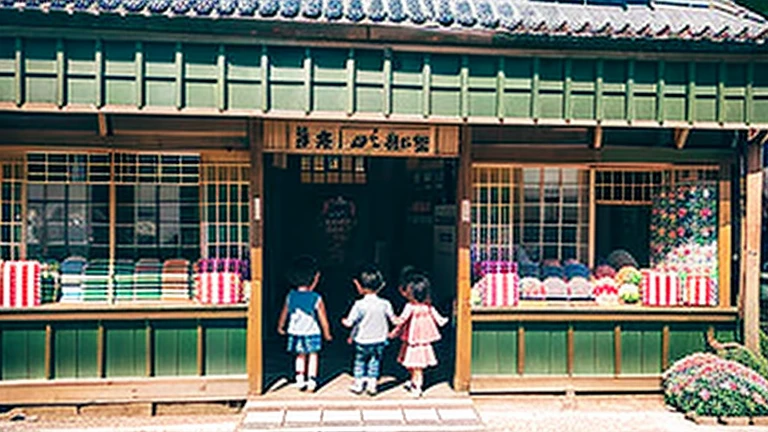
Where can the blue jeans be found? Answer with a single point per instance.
(368, 360)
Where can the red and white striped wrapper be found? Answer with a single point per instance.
(483, 268)
(20, 284)
(699, 291)
(501, 289)
(661, 288)
(218, 288)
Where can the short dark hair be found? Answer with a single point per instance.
(302, 271)
(370, 277)
(420, 288)
(406, 275)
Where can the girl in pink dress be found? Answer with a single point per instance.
(418, 329)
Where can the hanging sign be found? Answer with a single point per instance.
(383, 140)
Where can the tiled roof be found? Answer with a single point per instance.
(691, 20)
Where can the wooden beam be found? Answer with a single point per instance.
(665, 347)
(617, 350)
(254, 333)
(681, 137)
(200, 348)
(48, 351)
(751, 268)
(724, 236)
(589, 314)
(149, 353)
(520, 349)
(562, 383)
(103, 124)
(571, 349)
(100, 350)
(123, 312)
(463, 365)
(597, 138)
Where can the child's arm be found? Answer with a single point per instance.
(401, 321)
(323, 320)
(391, 315)
(439, 319)
(282, 319)
(351, 319)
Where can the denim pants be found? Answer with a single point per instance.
(368, 360)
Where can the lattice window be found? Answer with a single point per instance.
(68, 205)
(11, 213)
(225, 210)
(158, 206)
(494, 194)
(333, 169)
(628, 187)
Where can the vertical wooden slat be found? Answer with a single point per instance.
(112, 217)
(592, 234)
(567, 90)
(617, 349)
(500, 85)
(387, 82)
(221, 78)
(24, 209)
(464, 83)
(139, 75)
(254, 330)
(426, 77)
(351, 77)
(660, 91)
(721, 75)
(100, 350)
(149, 349)
(99, 73)
(751, 294)
(463, 365)
(307, 80)
(724, 236)
(630, 91)
(535, 84)
(264, 79)
(520, 349)
(599, 70)
(179, 64)
(18, 72)
(665, 347)
(748, 101)
(571, 349)
(200, 349)
(48, 351)
(60, 76)
(691, 93)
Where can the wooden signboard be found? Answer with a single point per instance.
(360, 139)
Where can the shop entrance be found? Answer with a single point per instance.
(346, 211)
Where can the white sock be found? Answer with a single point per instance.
(358, 384)
(312, 369)
(371, 384)
(299, 379)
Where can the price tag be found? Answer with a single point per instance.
(466, 211)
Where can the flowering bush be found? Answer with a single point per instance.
(710, 386)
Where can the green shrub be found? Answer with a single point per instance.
(764, 344)
(742, 355)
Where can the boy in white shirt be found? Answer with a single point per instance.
(369, 318)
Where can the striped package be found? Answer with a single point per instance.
(483, 268)
(175, 280)
(500, 289)
(218, 288)
(20, 284)
(72, 279)
(699, 291)
(661, 288)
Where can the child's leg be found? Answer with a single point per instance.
(312, 369)
(359, 368)
(300, 366)
(373, 367)
(417, 377)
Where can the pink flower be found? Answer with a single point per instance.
(704, 394)
(682, 212)
(680, 231)
(705, 212)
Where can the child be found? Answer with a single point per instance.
(420, 321)
(369, 317)
(305, 311)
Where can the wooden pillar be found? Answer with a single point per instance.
(463, 282)
(751, 267)
(254, 333)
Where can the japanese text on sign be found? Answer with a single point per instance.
(322, 138)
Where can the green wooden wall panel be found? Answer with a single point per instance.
(175, 348)
(225, 348)
(237, 77)
(23, 352)
(75, 351)
(686, 339)
(494, 349)
(593, 350)
(545, 349)
(125, 350)
(640, 349)
(725, 333)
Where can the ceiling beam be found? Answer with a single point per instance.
(597, 137)
(681, 137)
(103, 125)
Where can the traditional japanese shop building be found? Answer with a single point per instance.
(162, 159)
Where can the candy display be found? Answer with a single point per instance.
(499, 289)
(629, 293)
(532, 288)
(556, 288)
(629, 275)
(20, 284)
(699, 290)
(580, 288)
(605, 291)
(661, 288)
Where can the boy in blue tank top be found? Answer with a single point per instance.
(304, 312)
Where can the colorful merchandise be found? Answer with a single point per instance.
(219, 281)
(605, 271)
(629, 293)
(20, 284)
(580, 288)
(629, 275)
(605, 291)
(699, 291)
(500, 289)
(125, 289)
(148, 278)
(531, 288)
(72, 270)
(555, 288)
(483, 268)
(661, 288)
(175, 280)
(97, 281)
(49, 282)
(576, 270)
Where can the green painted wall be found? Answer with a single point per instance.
(342, 81)
(23, 351)
(125, 349)
(494, 349)
(175, 346)
(593, 349)
(225, 347)
(546, 349)
(641, 349)
(75, 350)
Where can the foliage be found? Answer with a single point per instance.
(742, 355)
(710, 386)
(764, 344)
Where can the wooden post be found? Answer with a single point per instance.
(751, 267)
(463, 282)
(254, 333)
(724, 236)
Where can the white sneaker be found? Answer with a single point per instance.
(371, 387)
(311, 385)
(356, 388)
(300, 383)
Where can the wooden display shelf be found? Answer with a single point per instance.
(586, 311)
(123, 311)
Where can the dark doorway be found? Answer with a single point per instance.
(624, 227)
(345, 212)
